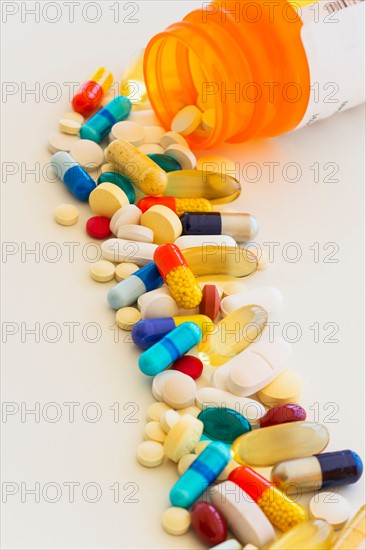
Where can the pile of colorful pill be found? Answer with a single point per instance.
(179, 260)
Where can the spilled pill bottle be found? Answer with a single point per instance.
(258, 68)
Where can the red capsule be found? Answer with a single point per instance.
(282, 414)
(189, 365)
(208, 524)
(98, 227)
(91, 93)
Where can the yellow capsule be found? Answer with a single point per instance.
(232, 335)
(218, 188)
(309, 535)
(354, 534)
(271, 445)
(221, 260)
(143, 172)
(192, 205)
(133, 83)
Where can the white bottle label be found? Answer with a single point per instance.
(333, 36)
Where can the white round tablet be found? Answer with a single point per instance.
(158, 383)
(129, 214)
(182, 155)
(173, 138)
(168, 419)
(332, 507)
(87, 153)
(176, 521)
(150, 454)
(151, 149)
(132, 132)
(136, 233)
(179, 391)
(153, 134)
(187, 120)
(58, 141)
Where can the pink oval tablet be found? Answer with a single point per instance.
(98, 227)
(189, 365)
(282, 414)
(208, 524)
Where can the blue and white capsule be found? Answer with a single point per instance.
(76, 179)
(170, 348)
(128, 291)
(201, 473)
(99, 126)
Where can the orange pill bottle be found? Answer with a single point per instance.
(265, 67)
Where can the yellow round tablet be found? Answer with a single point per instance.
(69, 126)
(176, 521)
(124, 270)
(154, 432)
(165, 223)
(286, 388)
(127, 317)
(66, 214)
(150, 454)
(106, 199)
(187, 120)
(102, 271)
(73, 115)
(155, 410)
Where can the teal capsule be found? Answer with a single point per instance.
(121, 181)
(222, 424)
(165, 162)
(170, 348)
(202, 472)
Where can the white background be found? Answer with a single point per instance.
(37, 290)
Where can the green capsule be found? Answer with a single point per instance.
(222, 424)
(121, 181)
(165, 162)
(218, 188)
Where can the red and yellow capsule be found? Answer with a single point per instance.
(179, 206)
(91, 93)
(281, 511)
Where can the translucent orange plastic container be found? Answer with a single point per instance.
(242, 58)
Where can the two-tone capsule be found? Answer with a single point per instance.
(76, 179)
(318, 471)
(242, 227)
(129, 290)
(179, 206)
(99, 126)
(218, 188)
(148, 332)
(281, 511)
(170, 348)
(202, 472)
(91, 93)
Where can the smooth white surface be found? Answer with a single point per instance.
(54, 294)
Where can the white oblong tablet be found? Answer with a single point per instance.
(129, 214)
(179, 391)
(230, 544)
(182, 155)
(87, 153)
(212, 397)
(144, 299)
(269, 297)
(161, 305)
(58, 141)
(151, 149)
(209, 242)
(136, 233)
(153, 134)
(130, 131)
(245, 519)
(158, 383)
(120, 250)
(145, 117)
(219, 377)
